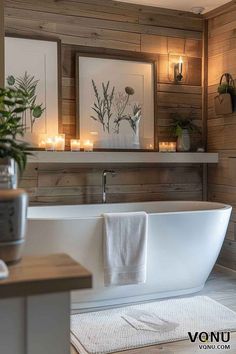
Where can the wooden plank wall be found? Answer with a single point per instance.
(1, 44)
(222, 129)
(114, 25)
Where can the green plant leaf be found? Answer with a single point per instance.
(37, 111)
(11, 107)
(11, 80)
(19, 110)
(179, 123)
(8, 103)
(179, 131)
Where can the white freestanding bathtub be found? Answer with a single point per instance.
(184, 241)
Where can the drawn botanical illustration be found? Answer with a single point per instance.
(103, 105)
(115, 100)
(111, 108)
(31, 66)
(27, 84)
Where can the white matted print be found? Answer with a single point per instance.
(115, 100)
(32, 65)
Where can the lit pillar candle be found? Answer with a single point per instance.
(42, 141)
(172, 147)
(180, 65)
(163, 146)
(149, 146)
(60, 142)
(50, 144)
(88, 145)
(75, 145)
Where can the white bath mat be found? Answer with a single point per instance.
(148, 324)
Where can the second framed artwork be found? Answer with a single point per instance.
(115, 97)
(32, 65)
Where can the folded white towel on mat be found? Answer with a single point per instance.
(147, 321)
(125, 248)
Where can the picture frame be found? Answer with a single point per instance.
(91, 84)
(38, 64)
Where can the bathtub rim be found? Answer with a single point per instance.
(222, 207)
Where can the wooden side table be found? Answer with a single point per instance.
(35, 304)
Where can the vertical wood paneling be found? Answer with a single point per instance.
(222, 129)
(1, 44)
(113, 25)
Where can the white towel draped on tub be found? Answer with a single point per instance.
(125, 248)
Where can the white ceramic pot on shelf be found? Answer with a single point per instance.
(183, 141)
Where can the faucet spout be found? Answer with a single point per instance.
(104, 183)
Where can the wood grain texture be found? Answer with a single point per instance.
(107, 15)
(47, 184)
(117, 26)
(1, 44)
(222, 128)
(227, 7)
(221, 287)
(44, 275)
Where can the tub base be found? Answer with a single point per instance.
(184, 241)
(106, 304)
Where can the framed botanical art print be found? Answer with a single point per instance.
(32, 65)
(115, 101)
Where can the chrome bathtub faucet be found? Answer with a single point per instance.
(104, 183)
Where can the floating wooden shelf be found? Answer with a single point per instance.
(107, 157)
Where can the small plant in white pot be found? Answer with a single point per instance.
(13, 156)
(182, 127)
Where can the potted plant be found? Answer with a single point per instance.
(13, 156)
(182, 127)
(225, 87)
(225, 100)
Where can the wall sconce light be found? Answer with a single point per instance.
(178, 70)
